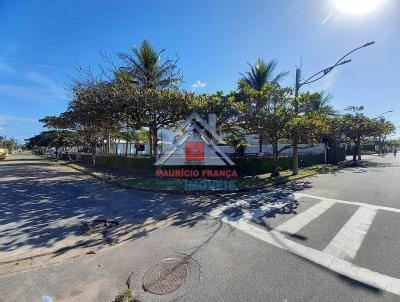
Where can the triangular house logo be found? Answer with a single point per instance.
(196, 145)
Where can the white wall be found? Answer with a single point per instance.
(267, 149)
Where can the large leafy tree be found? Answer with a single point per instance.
(261, 73)
(8, 143)
(52, 138)
(164, 108)
(145, 68)
(357, 128)
(217, 103)
(276, 118)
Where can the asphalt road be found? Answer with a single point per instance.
(43, 206)
(332, 237)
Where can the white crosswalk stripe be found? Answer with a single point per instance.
(349, 239)
(337, 253)
(294, 225)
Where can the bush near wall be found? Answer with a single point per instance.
(139, 165)
(255, 166)
(364, 147)
(340, 154)
(244, 166)
(336, 154)
(368, 147)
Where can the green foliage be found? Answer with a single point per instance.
(218, 103)
(244, 166)
(261, 73)
(142, 93)
(256, 166)
(52, 138)
(10, 143)
(393, 142)
(148, 70)
(125, 296)
(143, 166)
(237, 140)
(359, 128)
(270, 113)
(315, 102)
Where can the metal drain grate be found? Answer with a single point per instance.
(165, 277)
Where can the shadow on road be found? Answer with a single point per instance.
(42, 204)
(282, 202)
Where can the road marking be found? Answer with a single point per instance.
(294, 225)
(254, 213)
(333, 263)
(349, 239)
(360, 204)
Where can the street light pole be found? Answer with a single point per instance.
(382, 114)
(315, 77)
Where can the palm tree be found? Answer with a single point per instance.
(148, 70)
(260, 74)
(319, 101)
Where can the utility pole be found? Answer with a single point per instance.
(315, 77)
(296, 135)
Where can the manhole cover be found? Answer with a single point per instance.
(165, 277)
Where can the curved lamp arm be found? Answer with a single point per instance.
(325, 71)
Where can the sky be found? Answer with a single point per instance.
(43, 42)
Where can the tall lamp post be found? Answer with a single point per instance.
(315, 77)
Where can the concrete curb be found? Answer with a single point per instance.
(119, 183)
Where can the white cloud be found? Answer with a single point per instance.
(43, 89)
(5, 118)
(199, 84)
(327, 82)
(6, 68)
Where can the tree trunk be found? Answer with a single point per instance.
(355, 152)
(334, 160)
(359, 151)
(126, 148)
(150, 143)
(155, 142)
(295, 168)
(260, 141)
(275, 170)
(108, 143)
(94, 155)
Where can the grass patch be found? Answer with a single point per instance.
(368, 152)
(247, 182)
(263, 180)
(125, 296)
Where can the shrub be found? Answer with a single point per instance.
(244, 166)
